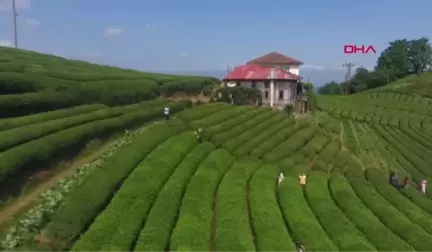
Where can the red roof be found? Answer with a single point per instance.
(275, 58)
(257, 72)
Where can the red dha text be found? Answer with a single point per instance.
(354, 49)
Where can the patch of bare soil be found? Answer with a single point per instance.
(193, 98)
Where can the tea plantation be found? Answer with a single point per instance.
(159, 189)
(31, 82)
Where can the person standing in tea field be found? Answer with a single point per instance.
(301, 249)
(423, 185)
(303, 179)
(197, 134)
(167, 112)
(391, 177)
(396, 181)
(406, 182)
(281, 178)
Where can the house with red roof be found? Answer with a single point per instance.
(276, 75)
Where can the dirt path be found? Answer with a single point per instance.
(23, 203)
(249, 209)
(344, 148)
(341, 137)
(354, 131)
(214, 224)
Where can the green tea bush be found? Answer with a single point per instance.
(395, 221)
(256, 140)
(254, 127)
(274, 140)
(82, 205)
(292, 144)
(403, 204)
(13, 137)
(193, 228)
(364, 219)
(42, 149)
(304, 226)
(15, 122)
(117, 226)
(268, 224)
(340, 229)
(162, 217)
(233, 230)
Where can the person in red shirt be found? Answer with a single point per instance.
(406, 182)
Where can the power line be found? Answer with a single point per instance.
(349, 67)
(15, 14)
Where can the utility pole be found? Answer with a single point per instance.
(15, 14)
(349, 67)
(228, 69)
(387, 75)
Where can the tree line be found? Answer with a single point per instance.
(401, 58)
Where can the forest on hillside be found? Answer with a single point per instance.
(400, 59)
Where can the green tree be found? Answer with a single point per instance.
(360, 80)
(395, 59)
(330, 88)
(404, 57)
(420, 54)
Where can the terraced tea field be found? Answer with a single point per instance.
(159, 189)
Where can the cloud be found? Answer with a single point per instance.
(370, 67)
(332, 67)
(32, 22)
(151, 26)
(113, 31)
(6, 43)
(314, 67)
(183, 54)
(19, 4)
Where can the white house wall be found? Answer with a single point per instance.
(288, 88)
(295, 69)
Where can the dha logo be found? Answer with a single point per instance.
(353, 49)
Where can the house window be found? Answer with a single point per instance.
(253, 84)
(266, 95)
(266, 85)
(281, 94)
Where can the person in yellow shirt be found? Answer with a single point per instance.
(303, 179)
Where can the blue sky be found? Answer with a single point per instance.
(204, 35)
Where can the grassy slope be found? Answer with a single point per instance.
(412, 85)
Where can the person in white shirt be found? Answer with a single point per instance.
(166, 113)
(301, 248)
(303, 179)
(281, 178)
(197, 134)
(423, 185)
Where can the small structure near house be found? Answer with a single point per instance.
(274, 74)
